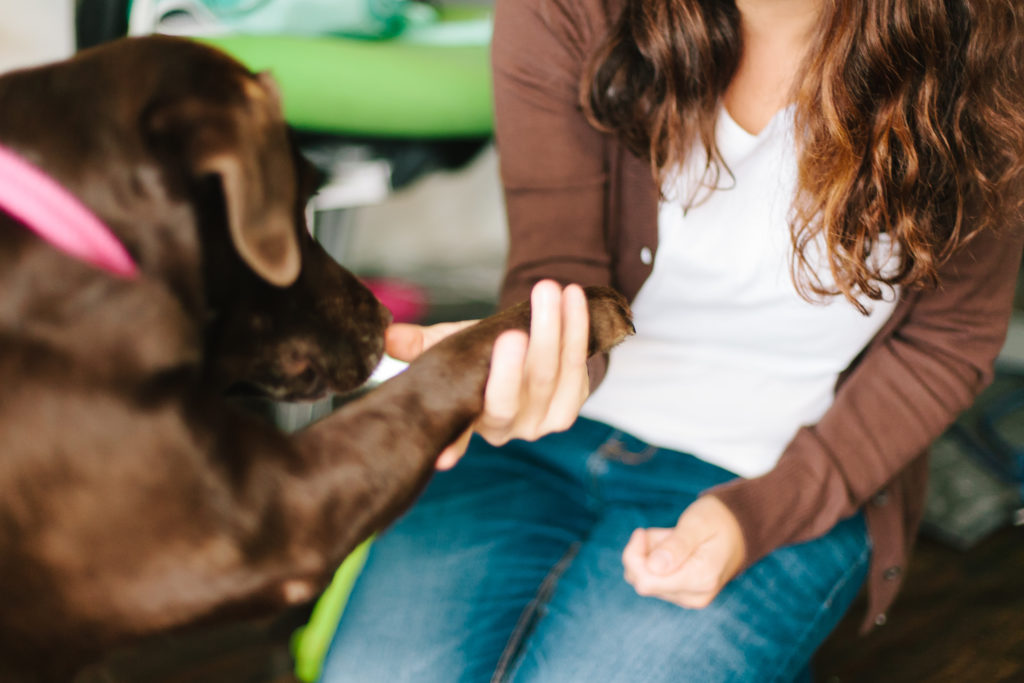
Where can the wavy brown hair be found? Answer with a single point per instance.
(909, 117)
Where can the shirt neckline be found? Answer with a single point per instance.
(726, 118)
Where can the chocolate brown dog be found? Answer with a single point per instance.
(133, 499)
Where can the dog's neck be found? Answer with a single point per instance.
(47, 209)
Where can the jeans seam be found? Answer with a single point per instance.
(839, 585)
(528, 616)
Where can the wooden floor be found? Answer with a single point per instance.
(251, 652)
(959, 619)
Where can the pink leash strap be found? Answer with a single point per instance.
(37, 200)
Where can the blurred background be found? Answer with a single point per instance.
(392, 100)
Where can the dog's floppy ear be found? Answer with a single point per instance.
(262, 230)
(245, 145)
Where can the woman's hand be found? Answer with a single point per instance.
(690, 563)
(537, 383)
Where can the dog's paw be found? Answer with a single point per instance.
(611, 321)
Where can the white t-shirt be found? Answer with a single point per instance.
(728, 361)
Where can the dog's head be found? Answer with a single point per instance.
(283, 316)
(185, 154)
(322, 332)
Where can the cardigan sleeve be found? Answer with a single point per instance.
(552, 161)
(909, 385)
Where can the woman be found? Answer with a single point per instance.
(821, 273)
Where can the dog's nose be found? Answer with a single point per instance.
(294, 365)
(299, 370)
(308, 376)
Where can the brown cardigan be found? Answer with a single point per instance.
(581, 208)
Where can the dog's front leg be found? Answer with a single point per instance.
(199, 512)
(377, 453)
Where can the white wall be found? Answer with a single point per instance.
(445, 230)
(35, 31)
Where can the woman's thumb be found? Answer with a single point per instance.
(403, 341)
(670, 552)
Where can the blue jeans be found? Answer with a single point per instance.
(509, 569)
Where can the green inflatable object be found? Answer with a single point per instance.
(432, 81)
(309, 644)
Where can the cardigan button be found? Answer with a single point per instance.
(881, 619)
(892, 573)
(646, 256)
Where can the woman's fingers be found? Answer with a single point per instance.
(541, 373)
(504, 387)
(691, 562)
(634, 554)
(405, 341)
(683, 581)
(537, 383)
(573, 385)
(451, 455)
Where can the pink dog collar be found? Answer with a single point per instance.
(53, 213)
